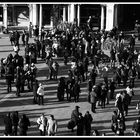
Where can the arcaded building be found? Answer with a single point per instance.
(106, 15)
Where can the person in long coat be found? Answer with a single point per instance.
(61, 89)
(8, 124)
(76, 91)
(24, 123)
(35, 87)
(75, 115)
(42, 124)
(93, 99)
(52, 126)
(88, 120)
(15, 120)
(8, 75)
(80, 125)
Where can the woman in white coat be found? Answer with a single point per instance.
(51, 126)
(42, 123)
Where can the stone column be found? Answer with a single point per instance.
(109, 16)
(72, 12)
(30, 12)
(68, 13)
(40, 18)
(78, 15)
(5, 17)
(102, 16)
(64, 14)
(34, 21)
(116, 15)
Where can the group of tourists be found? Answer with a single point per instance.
(84, 48)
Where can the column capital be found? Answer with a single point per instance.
(29, 5)
(110, 4)
(103, 5)
(4, 6)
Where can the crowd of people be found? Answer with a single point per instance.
(83, 47)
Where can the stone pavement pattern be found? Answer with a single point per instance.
(61, 110)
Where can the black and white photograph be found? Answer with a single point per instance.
(69, 69)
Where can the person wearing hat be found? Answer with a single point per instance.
(75, 116)
(40, 92)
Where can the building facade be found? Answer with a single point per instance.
(106, 15)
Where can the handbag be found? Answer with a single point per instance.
(71, 124)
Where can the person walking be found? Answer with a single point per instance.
(8, 124)
(40, 92)
(51, 126)
(15, 120)
(42, 124)
(35, 87)
(88, 120)
(76, 91)
(24, 123)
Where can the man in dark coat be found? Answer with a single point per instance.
(80, 125)
(88, 120)
(93, 76)
(76, 91)
(24, 123)
(15, 120)
(17, 36)
(9, 75)
(132, 43)
(8, 124)
(36, 32)
(35, 87)
(61, 89)
(75, 115)
(112, 87)
(126, 100)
